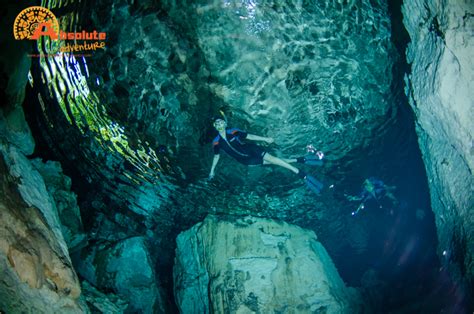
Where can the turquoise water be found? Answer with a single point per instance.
(131, 126)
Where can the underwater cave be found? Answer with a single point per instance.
(247, 156)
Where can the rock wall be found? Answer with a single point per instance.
(440, 89)
(254, 265)
(37, 274)
(40, 225)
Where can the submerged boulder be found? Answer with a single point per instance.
(126, 269)
(36, 272)
(247, 265)
(440, 89)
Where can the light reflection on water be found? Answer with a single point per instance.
(320, 70)
(316, 74)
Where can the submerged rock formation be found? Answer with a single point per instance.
(255, 265)
(37, 274)
(440, 91)
(126, 269)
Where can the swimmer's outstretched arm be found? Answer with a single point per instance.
(253, 137)
(213, 167)
(353, 198)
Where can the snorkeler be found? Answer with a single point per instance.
(373, 189)
(230, 141)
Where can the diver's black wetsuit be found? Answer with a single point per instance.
(245, 153)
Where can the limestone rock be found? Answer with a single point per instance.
(440, 89)
(59, 187)
(100, 302)
(126, 269)
(254, 265)
(37, 275)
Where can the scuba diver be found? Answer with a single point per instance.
(373, 189)
(230, 141)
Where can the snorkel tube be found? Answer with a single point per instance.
(224, 116)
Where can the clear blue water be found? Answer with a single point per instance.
(315, 74)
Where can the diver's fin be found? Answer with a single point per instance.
(311, 181)
(314, 162)
(313, 184)
(310, 160)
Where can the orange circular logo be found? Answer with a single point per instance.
(28, 20)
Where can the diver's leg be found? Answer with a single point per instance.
(269, 159)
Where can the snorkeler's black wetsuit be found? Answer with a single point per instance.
(245, 153)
